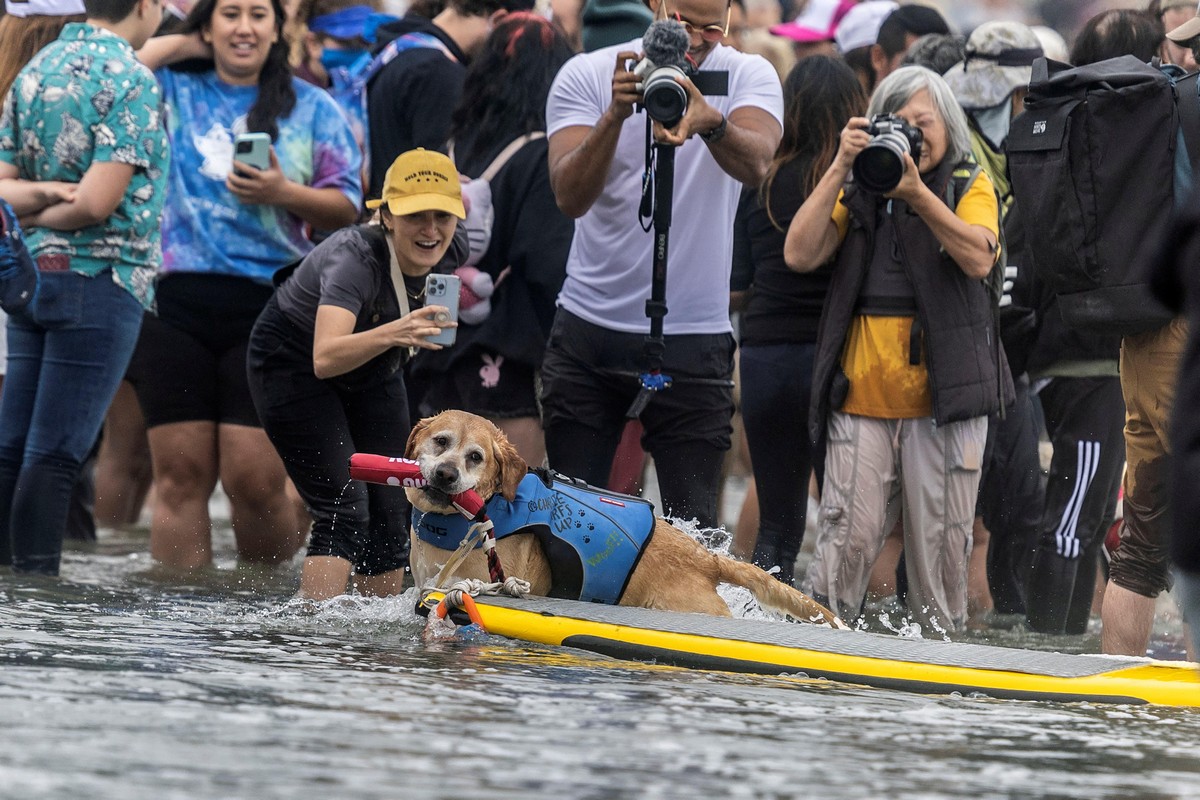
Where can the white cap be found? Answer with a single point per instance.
(1187, 31)
(860, 27)
(43, 8)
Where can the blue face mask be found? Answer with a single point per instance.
(339, 59)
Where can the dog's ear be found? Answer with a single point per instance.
(511, 467)
(418, 433)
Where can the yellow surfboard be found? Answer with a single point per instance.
(772, 648)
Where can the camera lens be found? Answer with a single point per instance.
(878, 169)
(880, 166)
(244, 147)
(664, 99)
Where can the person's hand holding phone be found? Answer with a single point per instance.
(443, 292)
(255, 186)
(416, 328)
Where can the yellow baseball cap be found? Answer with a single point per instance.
(421, 180)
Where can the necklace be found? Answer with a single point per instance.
(417, 296)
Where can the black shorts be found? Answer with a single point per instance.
(190, 361)
(486, 383)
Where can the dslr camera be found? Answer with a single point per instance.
(663, 98)
(880, 165)
(665, 61)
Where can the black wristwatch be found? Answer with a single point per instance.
(717, 133)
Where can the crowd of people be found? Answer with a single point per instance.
(234, 206)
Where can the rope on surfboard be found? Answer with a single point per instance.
(459, 598)
(515, 587)
(458, 601)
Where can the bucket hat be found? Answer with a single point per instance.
(1000, 58)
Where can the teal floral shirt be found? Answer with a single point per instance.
(83, 99)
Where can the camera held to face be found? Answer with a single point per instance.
(880, 166)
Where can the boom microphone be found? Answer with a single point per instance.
(666, 43)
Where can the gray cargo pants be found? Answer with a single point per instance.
(874, 470)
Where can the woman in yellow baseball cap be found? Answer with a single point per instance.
(324, 365)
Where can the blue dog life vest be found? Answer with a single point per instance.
(592, 538)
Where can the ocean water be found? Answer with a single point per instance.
(121, 681)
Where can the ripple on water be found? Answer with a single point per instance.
(124, 681)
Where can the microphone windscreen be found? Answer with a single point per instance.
(666, 43)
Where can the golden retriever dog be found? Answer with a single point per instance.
(458, 451)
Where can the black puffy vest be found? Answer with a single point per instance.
(968, 371)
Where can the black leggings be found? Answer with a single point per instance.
(776, 388)
(316, 426)
(1012, 493)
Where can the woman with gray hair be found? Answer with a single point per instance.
(908, 365)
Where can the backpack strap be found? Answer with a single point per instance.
(515, 145)
(1040, 72)
(1188, 103)
(960, 182)
(409, 41)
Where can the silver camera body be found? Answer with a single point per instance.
(662, 96)
(880, 166)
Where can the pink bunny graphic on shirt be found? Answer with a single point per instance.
(490, 371)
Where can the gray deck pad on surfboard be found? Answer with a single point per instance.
(826, 640)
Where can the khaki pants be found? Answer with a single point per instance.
(1149, 368)
(876, 469)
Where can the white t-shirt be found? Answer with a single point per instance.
(609, 267)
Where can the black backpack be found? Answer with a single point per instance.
(1092, 163)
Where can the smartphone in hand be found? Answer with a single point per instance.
(442, 290)
(253, 149)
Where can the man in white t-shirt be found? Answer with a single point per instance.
(597, 346)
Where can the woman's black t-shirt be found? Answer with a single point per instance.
(783, 306)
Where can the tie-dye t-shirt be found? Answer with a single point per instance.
(85, 99)
(205, 227)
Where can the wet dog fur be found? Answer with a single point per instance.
(459, 451)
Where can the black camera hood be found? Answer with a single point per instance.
(711, 83)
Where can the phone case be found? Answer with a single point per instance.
(442, 290)
(253, 149)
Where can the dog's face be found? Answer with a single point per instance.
(458, 451)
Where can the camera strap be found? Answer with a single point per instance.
(646, 209)
(398, 287)
(656, 198)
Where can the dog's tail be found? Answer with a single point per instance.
(775, 594)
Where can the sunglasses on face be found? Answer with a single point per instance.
(709, 33)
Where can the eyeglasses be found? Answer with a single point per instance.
(709, 33)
